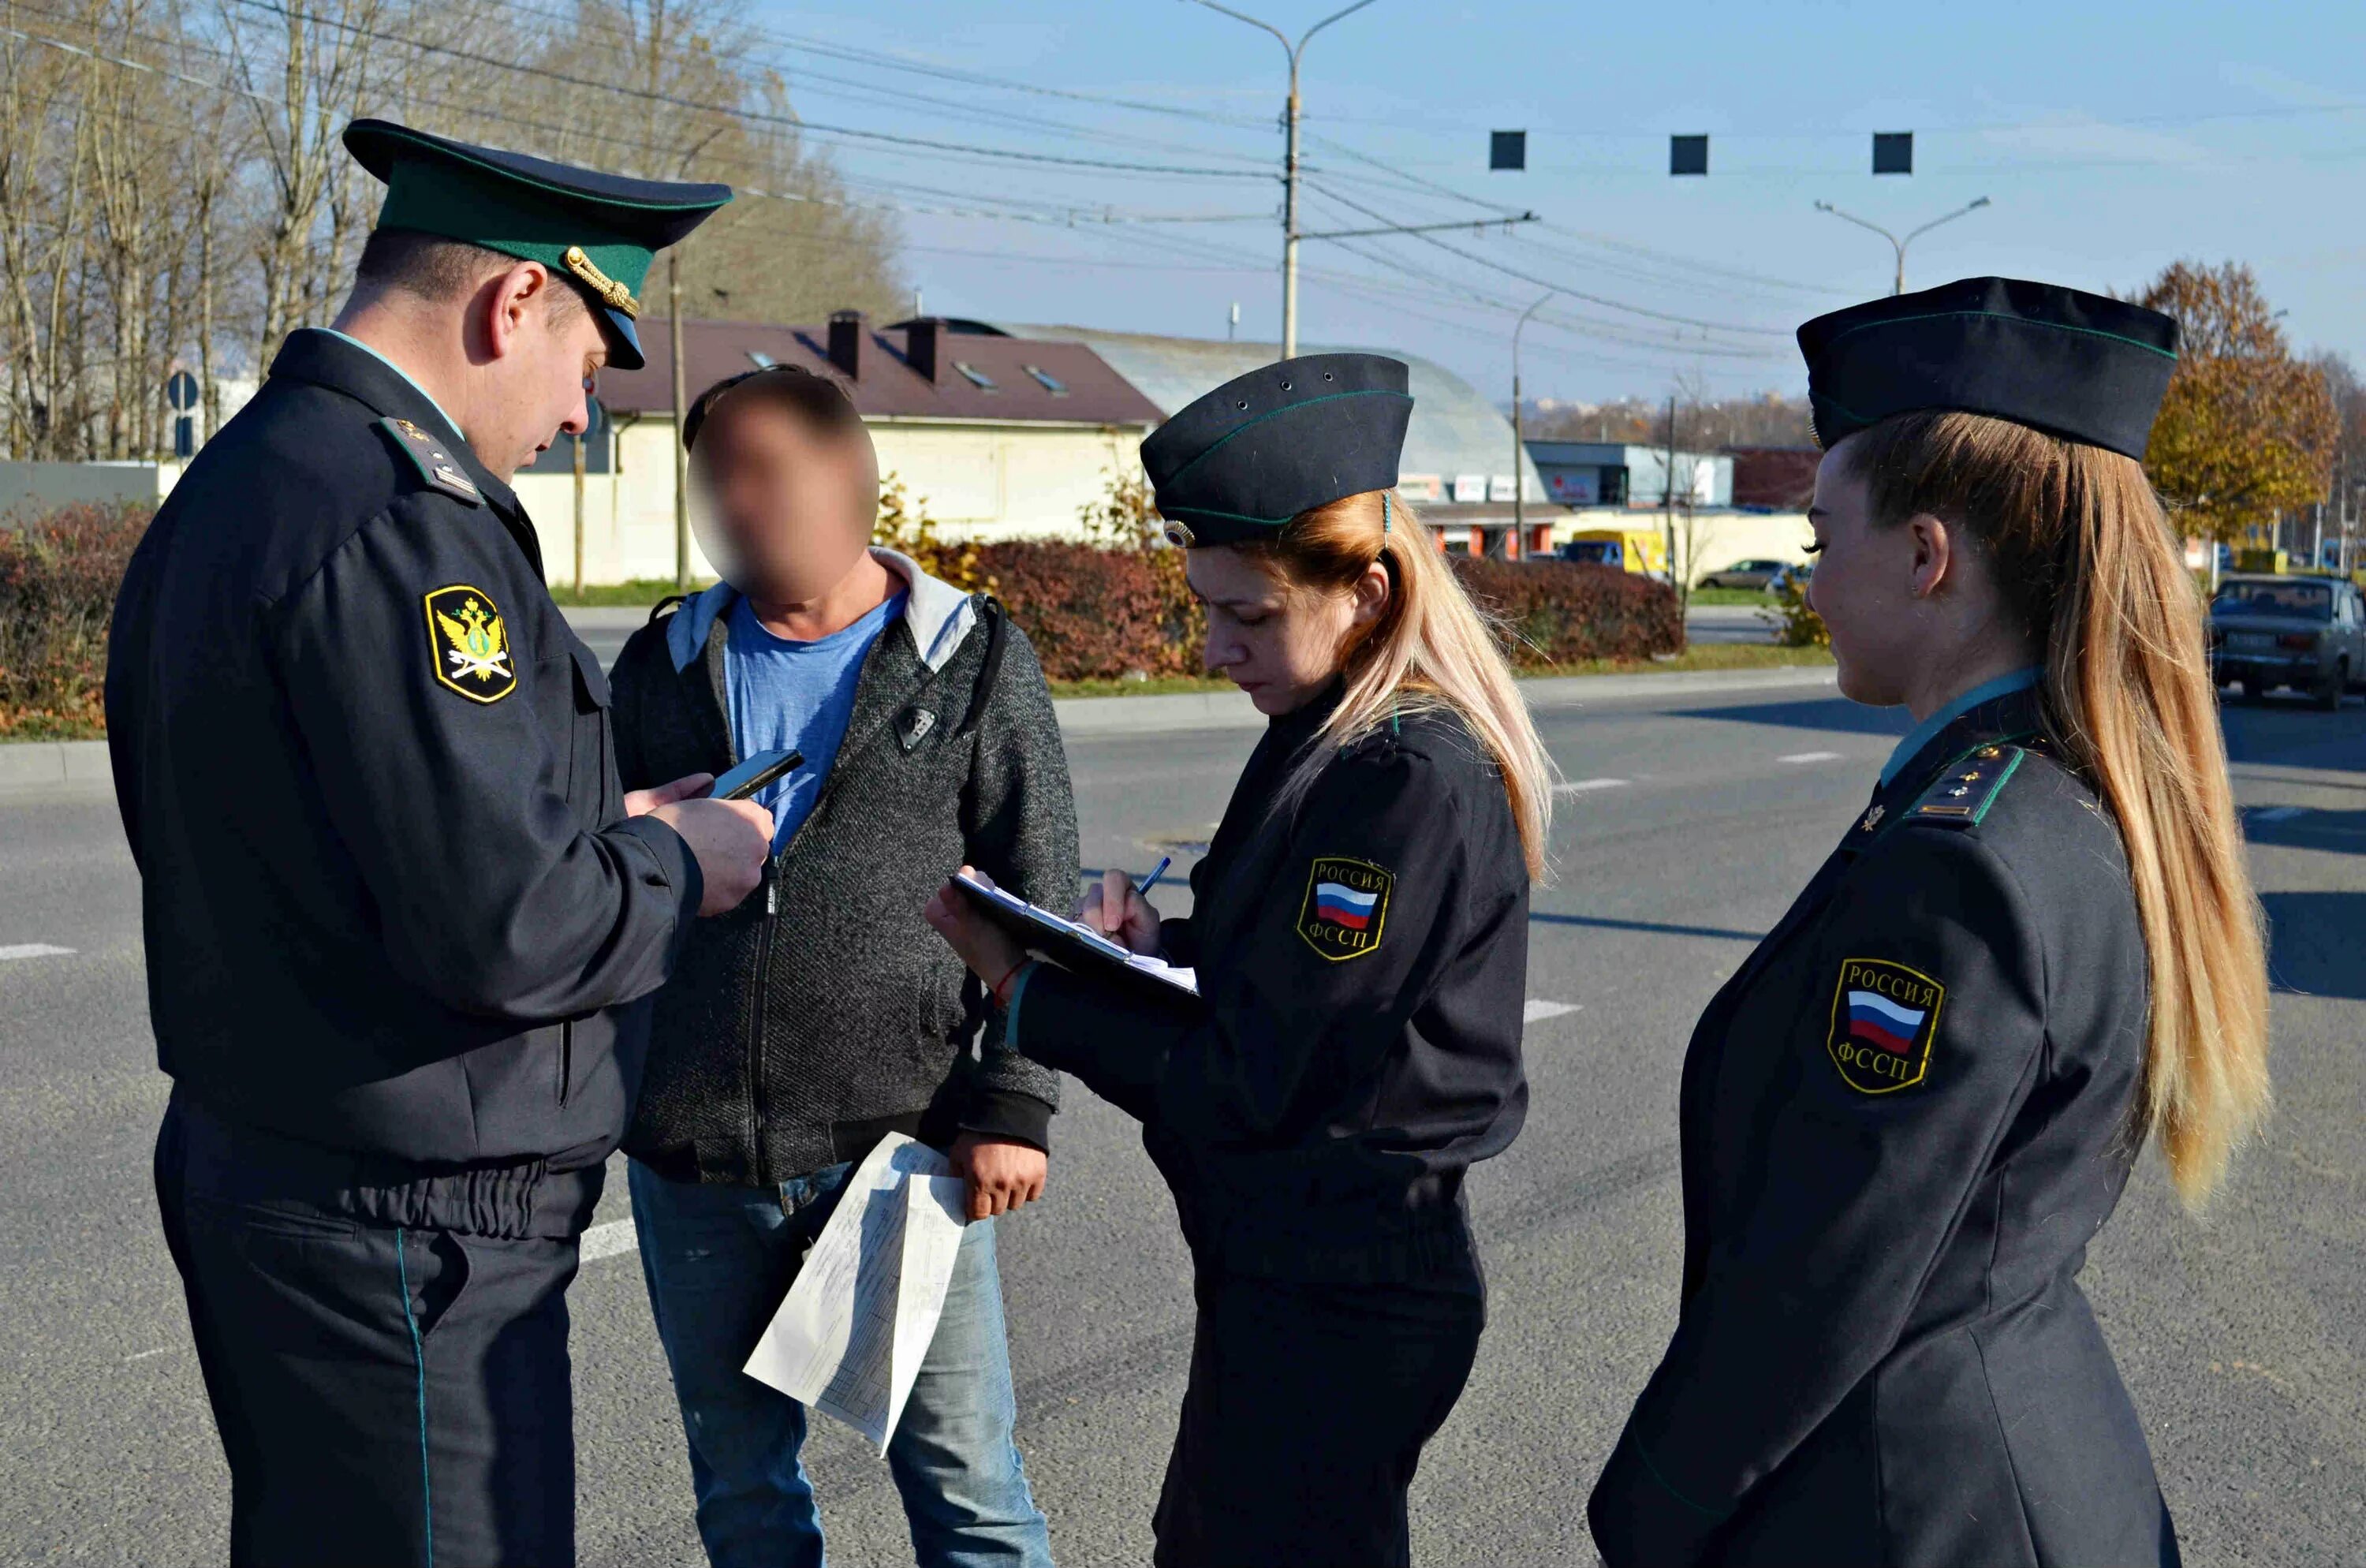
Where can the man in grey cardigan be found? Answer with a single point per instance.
(821, 1014)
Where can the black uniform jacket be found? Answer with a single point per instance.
(1362, 963)
(366, 769)
(1902, 1120)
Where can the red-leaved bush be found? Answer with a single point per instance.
(1556, 611)
(1101, 614)
(58, 572)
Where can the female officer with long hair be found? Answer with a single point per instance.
(1907, 1111)
(1360, 930)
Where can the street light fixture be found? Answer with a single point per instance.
(1519, 442)
(1896, 243)
(1289, 163)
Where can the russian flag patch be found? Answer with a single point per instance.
(1346, 907)
(1885, 1016)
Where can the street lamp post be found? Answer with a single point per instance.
(1289, 163)
(1897, 244)
(1519, 440)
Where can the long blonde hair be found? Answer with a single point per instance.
(2083, 555)
(1430, 647)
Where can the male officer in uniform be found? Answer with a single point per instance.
(394, 901)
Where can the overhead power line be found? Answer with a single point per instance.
(1561, 288)
(759, 116)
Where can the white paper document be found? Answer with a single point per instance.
(849, 1337)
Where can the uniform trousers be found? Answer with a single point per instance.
(385, 1395)
(1304, 1419)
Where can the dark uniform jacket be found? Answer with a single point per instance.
(823, 1012)
(1362, 962)
(391, 908)
(1902, 1120)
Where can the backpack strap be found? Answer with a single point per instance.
(666, 605)
(997, 638)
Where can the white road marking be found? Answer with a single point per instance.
(2272, 814)
(1539, 1009)
(146, 1354)
(1810, 757)
(34, 950)
(616, 1237)
(1579, 786)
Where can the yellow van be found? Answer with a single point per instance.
(1641, 550)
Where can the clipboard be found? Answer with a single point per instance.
(1072, 944)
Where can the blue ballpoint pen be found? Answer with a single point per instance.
(1155, 872)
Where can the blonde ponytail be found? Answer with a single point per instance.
(1429, 648)
(2083, 553)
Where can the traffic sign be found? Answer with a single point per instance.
(181, 391)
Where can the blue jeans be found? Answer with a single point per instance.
(719, 1260)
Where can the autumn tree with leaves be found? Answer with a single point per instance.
(2247, 430)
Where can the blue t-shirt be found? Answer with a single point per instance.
(796, 697)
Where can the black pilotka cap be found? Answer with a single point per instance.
(2077, 365)
(1246, 458)
(601, 230)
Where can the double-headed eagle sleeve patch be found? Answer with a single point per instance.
(1884, 1018)
(467, 644)
(1346, 907)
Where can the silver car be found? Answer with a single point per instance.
(2308, 633)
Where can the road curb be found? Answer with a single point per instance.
(51, 765)
(1180, 711)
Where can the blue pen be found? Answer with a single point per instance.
(1156, 872)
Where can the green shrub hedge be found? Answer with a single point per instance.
(58, 572)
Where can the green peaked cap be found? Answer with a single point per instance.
(600, 231)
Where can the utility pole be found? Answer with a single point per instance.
(578, 445)
(1290, 235)
(1519, 438)
(680, 423)
(681, 390)
(1668, 490)
(1897, 244)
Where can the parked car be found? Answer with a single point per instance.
(2308, 633)
(1744, 574)
(1794, 575)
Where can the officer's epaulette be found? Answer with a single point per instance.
(435, 465)
(1960, 796)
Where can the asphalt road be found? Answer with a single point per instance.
(1694, 819)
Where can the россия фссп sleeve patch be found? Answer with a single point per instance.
(1346, 907)
(1885, 1016)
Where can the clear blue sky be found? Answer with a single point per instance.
(2110, 138)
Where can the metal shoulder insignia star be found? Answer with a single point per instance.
(437, 467)
(1872, 819)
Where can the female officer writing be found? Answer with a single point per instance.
(1359, 930)
(1907, 1112)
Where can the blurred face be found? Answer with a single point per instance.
(791, 508)
(545, 350)
(1281, 645)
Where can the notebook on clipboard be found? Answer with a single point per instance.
(1071, 943)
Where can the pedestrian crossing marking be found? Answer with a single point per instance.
(611, 1240)
(1539, 1009)
(34, 950)
(1810, 757)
